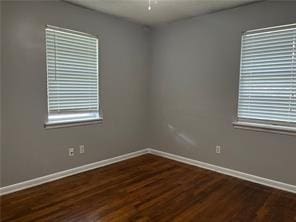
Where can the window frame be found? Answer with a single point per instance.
(74, 122)
(271, 126)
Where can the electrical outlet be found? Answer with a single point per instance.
(218, 149)
(71, 151)
(81, 149)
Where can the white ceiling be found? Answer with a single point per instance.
(162, 11)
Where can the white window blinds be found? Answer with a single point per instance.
(72, 76)
(267, 90)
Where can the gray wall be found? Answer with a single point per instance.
(30, 150)
(191, 68)
(0, 91)
(194, 87)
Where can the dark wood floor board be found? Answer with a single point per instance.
(149, 188)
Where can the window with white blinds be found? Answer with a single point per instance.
(72, 76)
(267, 90)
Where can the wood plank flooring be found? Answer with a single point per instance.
(149, 188)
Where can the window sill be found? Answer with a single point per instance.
(52, 125)
(261, 127)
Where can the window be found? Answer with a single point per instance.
(72, 76)
(267, 90)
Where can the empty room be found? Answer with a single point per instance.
(148, 111)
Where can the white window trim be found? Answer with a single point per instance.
(74, 123)
(264, 127)
(259, 125)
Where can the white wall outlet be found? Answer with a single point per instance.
(81, 149)
(71, 151)
(218, 149)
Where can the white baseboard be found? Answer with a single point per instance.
(230, 172)
(65, 173)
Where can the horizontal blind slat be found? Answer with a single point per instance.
(262, 42)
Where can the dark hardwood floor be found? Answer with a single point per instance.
(149, 188)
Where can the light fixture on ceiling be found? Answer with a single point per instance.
(149, 4)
